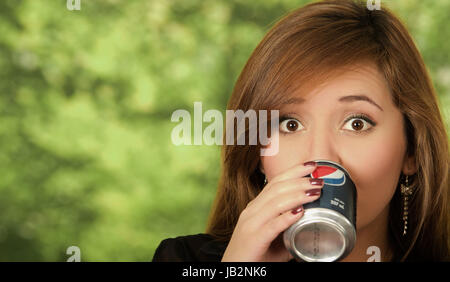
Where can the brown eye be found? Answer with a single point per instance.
(357, 124)
(290, 125)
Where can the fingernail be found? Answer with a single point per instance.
(297, 210)
(316, 181)
(313, 192)
(310, 164)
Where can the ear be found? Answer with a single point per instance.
(409, 165)
(261, 168)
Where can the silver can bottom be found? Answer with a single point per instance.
(321, 235)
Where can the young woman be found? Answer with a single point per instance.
(352, 88)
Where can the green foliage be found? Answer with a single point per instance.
(86, 98)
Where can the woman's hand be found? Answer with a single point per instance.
(257, 234)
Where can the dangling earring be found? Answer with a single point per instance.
(265, 181)
(406, 191)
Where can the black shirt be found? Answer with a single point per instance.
(191, 248)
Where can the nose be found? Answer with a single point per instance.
(320, 144)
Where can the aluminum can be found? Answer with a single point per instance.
(327, 230)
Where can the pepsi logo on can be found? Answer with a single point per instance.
(331, 175)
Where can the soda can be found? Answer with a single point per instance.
(327, 230)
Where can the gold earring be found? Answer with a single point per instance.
(406, 191)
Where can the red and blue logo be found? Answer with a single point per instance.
(330, 175)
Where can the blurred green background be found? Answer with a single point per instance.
(86, 157)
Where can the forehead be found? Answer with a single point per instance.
(358, 79)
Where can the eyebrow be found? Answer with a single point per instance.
(347, 99)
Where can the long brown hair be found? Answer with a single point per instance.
(306, 46)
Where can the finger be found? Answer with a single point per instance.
(275, 187)
(282, 222)
(291, 189)
(291, 201)
(296, 171)
(276, 203)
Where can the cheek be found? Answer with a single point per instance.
(376, 172)
(289, 154)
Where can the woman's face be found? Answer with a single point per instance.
(350, 120)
